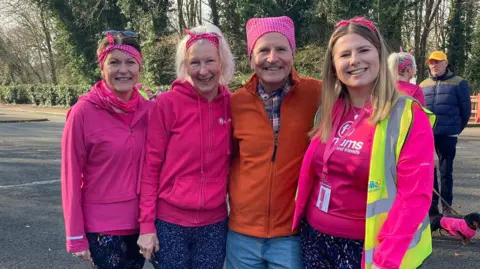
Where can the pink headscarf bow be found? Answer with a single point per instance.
(127, 49)
(357, 20)
(194, 37)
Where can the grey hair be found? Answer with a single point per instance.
(398, 58)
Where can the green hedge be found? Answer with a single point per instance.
(49, 95)
(44, 95)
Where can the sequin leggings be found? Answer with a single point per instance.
(321, 251)
(115, 252)
(190, 247)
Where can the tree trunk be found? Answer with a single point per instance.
(199, 15)
(456, 38)
(181, 20)
(48, 41)
(214, 12)
(431, 8)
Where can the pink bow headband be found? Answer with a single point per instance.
(357, 20)
(406, 63)
(127, 49)
(194, 37)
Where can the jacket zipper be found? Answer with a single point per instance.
(435, 94)
(201, 199)
(210, 122)
(202, 181)
(275, 145)
(272, 171)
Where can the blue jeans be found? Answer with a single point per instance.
(248, 252)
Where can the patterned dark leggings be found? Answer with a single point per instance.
(321, 251)
(190, 248)
(115, 252)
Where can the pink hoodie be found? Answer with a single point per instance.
(101, 159)
(188, 155)
(411, 90)
(453, 226)
(414, 191)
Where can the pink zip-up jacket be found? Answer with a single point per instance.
(414, 192)
(101, 159)
(188, 152)
(453, 226)
(411, 90)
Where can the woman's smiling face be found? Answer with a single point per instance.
(356, 62)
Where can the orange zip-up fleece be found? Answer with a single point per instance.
(262, 186)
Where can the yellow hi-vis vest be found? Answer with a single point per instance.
(388, 141)
(143, 94)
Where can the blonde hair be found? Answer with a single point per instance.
(227, 64)
(397, 59)
(384, 93)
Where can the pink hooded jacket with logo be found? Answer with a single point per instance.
(414, 192)
(188, 151)
(101, 164)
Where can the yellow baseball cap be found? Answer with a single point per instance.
(437, 55)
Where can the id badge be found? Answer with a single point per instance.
(323, 199)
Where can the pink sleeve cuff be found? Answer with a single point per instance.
(147, 228)
(77, 245)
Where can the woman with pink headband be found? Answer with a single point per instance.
(183, 210)
(102, 154)
(403, 68)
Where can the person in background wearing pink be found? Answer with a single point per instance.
(183, 209)
(366, 179)
(403, 68)
(102, 147)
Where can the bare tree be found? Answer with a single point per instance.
(30, 39)
(440, 35)
(425, 12)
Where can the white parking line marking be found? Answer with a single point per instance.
(30, 184)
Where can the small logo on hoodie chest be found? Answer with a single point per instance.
(222, 121)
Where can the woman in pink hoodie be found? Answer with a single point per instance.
(403, 68)
(358, 95)
(102, 148)
(183, 210)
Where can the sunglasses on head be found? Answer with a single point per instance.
(124, 33)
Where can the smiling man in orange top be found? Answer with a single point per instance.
(271, 117)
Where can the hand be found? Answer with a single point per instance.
(148, 244)
(84, 255)
(375, 267)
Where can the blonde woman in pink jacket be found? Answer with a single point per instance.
(358, 97)
(102, 148)
(183, 208)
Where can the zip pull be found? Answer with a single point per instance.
(275, 145)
